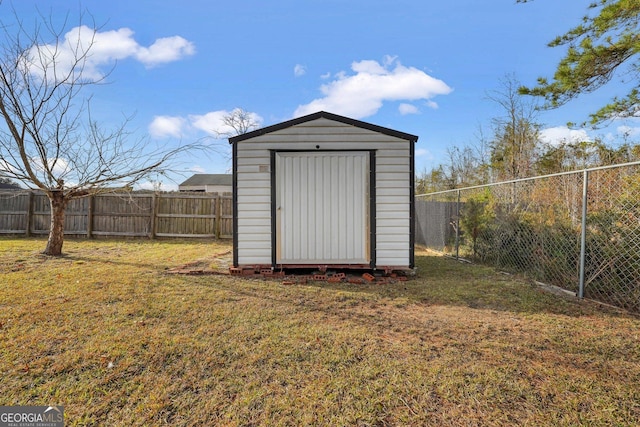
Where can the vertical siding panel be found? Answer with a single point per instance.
(304, 208)
(350, 231)
(311, 200)
(288, 223)
(361, 209)
(326, 215)
(335, 192)
(295, 218)
(341, 213)
(320, 229)
(286, 199)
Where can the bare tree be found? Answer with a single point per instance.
(516, 132)
(48, 137)
(237, 122)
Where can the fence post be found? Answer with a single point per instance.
(458, 226)
(28, 220)
(154, 213)
(218, 208)
(583, 232)
(90, 217)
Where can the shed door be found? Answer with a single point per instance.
(322, 208)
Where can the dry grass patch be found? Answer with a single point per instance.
(105, 332)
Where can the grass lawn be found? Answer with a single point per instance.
(107, 333)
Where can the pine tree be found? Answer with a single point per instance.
(602, 48)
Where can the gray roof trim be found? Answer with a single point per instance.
(325, 115)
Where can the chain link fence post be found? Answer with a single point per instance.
(583, 231)
(458, 226)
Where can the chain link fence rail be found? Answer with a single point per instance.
(577, 230)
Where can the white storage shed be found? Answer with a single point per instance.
(323, 191)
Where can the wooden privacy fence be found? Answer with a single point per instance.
(204, 215)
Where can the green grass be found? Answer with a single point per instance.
(106, 332)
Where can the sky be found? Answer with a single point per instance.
(420, 67)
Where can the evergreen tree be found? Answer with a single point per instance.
(604, 46)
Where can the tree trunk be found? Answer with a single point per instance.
(56, 231)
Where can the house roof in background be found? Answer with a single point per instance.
(9, 186)
(209, 179)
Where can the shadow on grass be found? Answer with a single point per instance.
(445, 281)
(117, 251)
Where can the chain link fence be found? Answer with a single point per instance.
(579, 230)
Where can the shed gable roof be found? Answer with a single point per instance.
(325, 115)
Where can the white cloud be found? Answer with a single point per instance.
(211, 123)
(628, 131)
(156, 186)
(389, 60)
(299, 70)
(563, 135)
(59, 167)
(169, 186)
(197, 169)
(104, 49)
(363, 93)
(405, 109)
(56, 168)
(423, 152)
(167, 126)
(432, 104)
(368, 66)
(147, 185)
(325, 76)
(167, 49)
